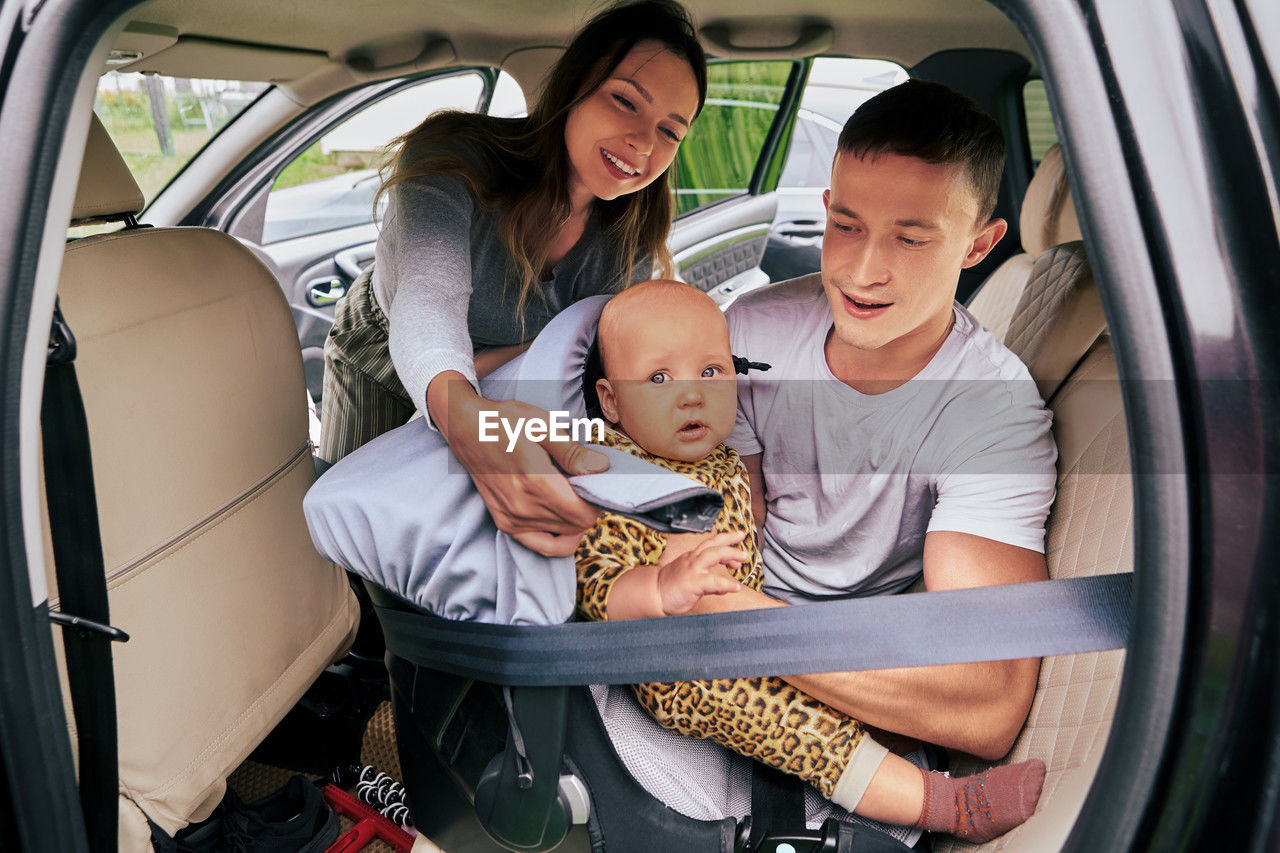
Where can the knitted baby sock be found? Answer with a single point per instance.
(978, 808)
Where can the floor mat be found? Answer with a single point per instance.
(379, 748)
(253, 780)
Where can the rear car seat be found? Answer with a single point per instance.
(1048, 218)
(1058, 329)
(192, 381)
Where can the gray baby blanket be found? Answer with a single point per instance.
(403, 513)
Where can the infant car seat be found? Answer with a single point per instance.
(489, 724)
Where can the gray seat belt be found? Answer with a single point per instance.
(925, 629)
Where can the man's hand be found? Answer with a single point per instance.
(704, 570)
(977, 708)
(524, 490)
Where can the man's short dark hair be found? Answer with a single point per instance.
(933, 123)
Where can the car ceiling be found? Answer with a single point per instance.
(288, 40)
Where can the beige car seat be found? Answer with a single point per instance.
(189, 367)
(1048, 219)
(1059, 331)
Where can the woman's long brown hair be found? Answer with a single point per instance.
(521, 167)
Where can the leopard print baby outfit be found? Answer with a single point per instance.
(765, 719)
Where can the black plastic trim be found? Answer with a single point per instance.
(783, 122)
(36, 104)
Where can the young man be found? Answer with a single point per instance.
(894, 436)
(668, 389)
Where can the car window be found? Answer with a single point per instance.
(159, 123)
(508, 98)
(836, 87)
(718, 157)
(332, 184)
(1041, 134)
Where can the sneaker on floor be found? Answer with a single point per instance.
(295, 819)
(204, 837)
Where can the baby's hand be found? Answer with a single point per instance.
(679, 544)
(705, 570)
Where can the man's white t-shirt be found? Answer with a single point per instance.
(965, 446)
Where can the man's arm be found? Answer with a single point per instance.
(978, 708)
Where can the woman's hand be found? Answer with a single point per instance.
(527, 495)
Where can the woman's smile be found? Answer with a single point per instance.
(615, 163)
(625, 134)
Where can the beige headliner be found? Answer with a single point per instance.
(486, 31)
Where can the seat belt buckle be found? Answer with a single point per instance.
(62, 343)
(87, 628)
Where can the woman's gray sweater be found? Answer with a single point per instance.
(445, 282)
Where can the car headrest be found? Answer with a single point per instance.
(1048, 215)
(1058, 318)
(106, 191)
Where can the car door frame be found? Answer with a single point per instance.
(1190, 533)
(718, 247)
(238, 206)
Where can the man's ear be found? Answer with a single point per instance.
(984, 241)
(608, 400)
(826, 198)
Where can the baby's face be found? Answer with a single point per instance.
(670, 381)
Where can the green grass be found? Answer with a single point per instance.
(1040, 130)
(721, 150)
(310, 165)
(127, 118)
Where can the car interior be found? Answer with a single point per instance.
(197, 345)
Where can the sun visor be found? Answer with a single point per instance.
(140, 40)
(196, 57)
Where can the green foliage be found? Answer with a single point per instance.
(719, 155)
(1041, 134)
(310, 165)
(126, 114)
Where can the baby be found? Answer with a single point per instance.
(668, 388)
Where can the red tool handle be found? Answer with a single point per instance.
(369, 824)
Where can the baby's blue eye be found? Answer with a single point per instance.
(710, 372)
(658, 378)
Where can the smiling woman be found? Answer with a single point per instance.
(621, 136)
(495, 225)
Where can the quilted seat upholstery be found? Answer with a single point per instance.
(1047, 219)
(1058, 329)
(1090, 532)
